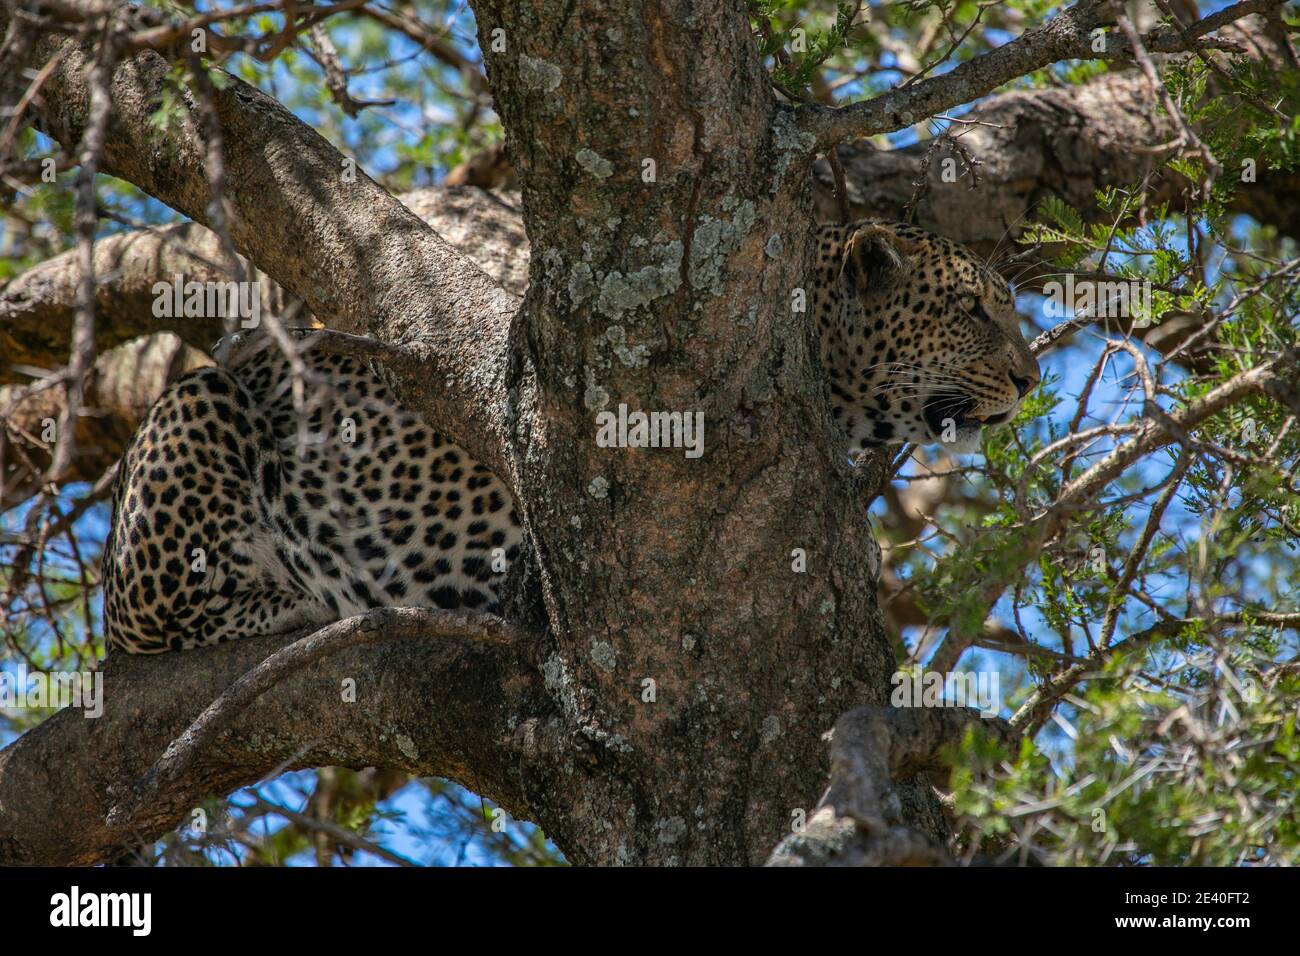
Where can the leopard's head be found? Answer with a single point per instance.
(920, 337)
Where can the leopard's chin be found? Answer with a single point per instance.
(948, 414)
(967, 442)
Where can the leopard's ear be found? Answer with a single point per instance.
(875, 257)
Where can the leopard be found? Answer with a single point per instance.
(280, 491)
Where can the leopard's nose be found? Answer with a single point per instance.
(1023, 385)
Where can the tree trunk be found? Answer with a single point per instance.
(700, 667)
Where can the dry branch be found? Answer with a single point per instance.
(859, 821)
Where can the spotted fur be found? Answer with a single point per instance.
(920, 339)
(231, 520)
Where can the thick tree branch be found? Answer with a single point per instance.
(379, 624)
(37, 307)
(1033, 144)
(859, 821)
(433, 705)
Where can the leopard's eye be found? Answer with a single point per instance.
(973, 307)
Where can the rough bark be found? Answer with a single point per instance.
(432, 705)
(860, 819)
(675, 295)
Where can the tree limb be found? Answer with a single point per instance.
(378, 624)
(1066, 36)
(427, 702)
(858, 821)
